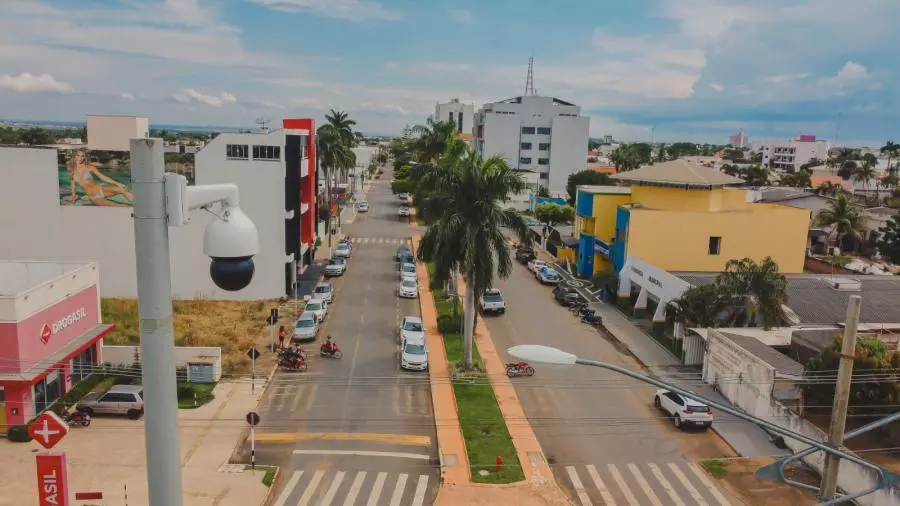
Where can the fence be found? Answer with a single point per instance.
(199, 361)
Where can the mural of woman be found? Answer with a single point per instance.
(87, 176)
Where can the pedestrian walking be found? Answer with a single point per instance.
(281, 336)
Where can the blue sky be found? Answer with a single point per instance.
(687, 69)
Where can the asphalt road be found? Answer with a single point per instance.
(605, 441)
(358, 430)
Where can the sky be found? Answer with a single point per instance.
(672, 70)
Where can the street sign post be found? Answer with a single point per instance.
(253, 420)
(52, 480)
(253, 354)
(48, 429)
(272, 320)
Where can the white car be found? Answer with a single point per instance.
(411, 328)
(306, 328)
(342, 250)
(363, 207)
(337, 266)
(492, 302)
(408, 271)
(684, 411)
(317, 307)
(404, 211)
(324, 291)
(408, 289)
(414, 354)
(536, 265)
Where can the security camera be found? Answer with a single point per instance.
(231, 240)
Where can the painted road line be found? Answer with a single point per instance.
(376, 489)
(399, 455)
(623, 486)
(355, 487)
(332, 490)
(644, 485)
(288, 488)
(666, 485)
(311, 488)
(708, 485)
(421, 487)
(393, 439)
(398, 489)
(604, 492)
(582, 494)
(695, 495)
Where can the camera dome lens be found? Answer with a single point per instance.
(232, 274)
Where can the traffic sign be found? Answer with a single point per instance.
(253, 354)
(273, 316)
(52, 479)
(48, 429)
(253, 418)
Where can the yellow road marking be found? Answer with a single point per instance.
(396, 439)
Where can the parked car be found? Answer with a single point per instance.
(406, 258)
(408, 289)
(525, 255)
(414, 354)
(408, 271)
(317, 307)
(411, 327)
(343, 250)
(404, 211)
(535, 265)
(684, 411)
(324, 291)
(363, 207)
(403, 196)
(337, 266)
(548, 276)
(402, 251)
(306, 328)
(566, 295)
(492, 302)
(125, 400)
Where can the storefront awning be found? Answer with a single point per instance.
(68, 351)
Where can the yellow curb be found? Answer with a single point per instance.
(396, 439)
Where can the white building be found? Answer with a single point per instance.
(114, 133)
(790, 155)
(454, 111)
(540, 135)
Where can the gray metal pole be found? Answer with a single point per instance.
(841, 399)
(154, 287)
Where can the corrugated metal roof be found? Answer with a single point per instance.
(678, 173)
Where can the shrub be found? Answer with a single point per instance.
(448, 325)
(19, 434)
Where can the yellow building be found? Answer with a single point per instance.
(680, 216)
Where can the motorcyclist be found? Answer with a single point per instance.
(330, 347)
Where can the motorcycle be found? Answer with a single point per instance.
(520, 368)
(337, 353)
(592, 318)
(76, 418)
(582, 310)
(292, 361)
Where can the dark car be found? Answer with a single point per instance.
(407, 258)
(525, 255)
(566, 296)
(402, 250)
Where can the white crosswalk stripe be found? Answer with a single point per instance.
(325, 487)
(656, 484)
(379, 240)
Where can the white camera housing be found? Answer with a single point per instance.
(231, 240)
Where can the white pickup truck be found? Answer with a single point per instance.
(492, 302)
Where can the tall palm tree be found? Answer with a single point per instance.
(699, 306)
(433, 138)
(758, 287)
(842, 217)
(343, 126)
(466, 197)
(891, 149)
(865, 172)
(333, 156)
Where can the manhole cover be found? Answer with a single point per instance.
(575, 283)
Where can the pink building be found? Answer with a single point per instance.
(50, 333)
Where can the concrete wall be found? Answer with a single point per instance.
(114, 133)
(747, 382)
(568, 145)
(124, 356)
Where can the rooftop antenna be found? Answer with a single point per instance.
(529, 81)
(262, 122)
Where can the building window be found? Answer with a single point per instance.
(237, 151)
(715, 245)
(527, 130)
(459, 124)
(525, 145)
(543, 131)
(525, 160)
(451, 117)
(267, 153)
(543, 161)
(544, 146)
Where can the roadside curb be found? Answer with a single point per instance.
(271, 488)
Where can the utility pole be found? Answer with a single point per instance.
(841, 399)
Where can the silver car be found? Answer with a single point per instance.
(305, 329)
(118, 400)
(324, 291)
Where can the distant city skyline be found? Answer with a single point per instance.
(696, 70)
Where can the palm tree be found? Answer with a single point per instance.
(333, 155)
(758, 287)
(891, 149)
(699, 306)
(865, 172)
(466, 194)
(829, 189)
(343, 126)
(433, 139)
(843, 218)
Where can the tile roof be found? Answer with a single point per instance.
(816, 302)
(781, 362)
(678, 173)
(818, 181)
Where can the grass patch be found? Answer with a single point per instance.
(269, 477)
(716, 468)
(194, 395)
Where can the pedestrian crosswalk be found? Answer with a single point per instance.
(380, 240)
(321, 487)
(676, 484)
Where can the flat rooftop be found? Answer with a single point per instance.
(20, 276)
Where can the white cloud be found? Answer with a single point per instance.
(784, 78)
(716, 87)
(189, 95)
(462, 16)
(29, 83)
(128, 96)
(353, 10)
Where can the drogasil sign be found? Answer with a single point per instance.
(48, 330)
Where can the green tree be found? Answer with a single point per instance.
(36, 136)
(865, 172)
(733, 154)
(553, 214)
(644, 153)
(432, 139)
(847, 169)
(829, 189)
(680, 149)
(892, 150)
(334, 156)
(699, 306)
(800, 179)
(756, 175)
(584, 177)
(888, 242)
(732, 170)
(758, 289)
(466, 197)
(843, 217)
(626, 158)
